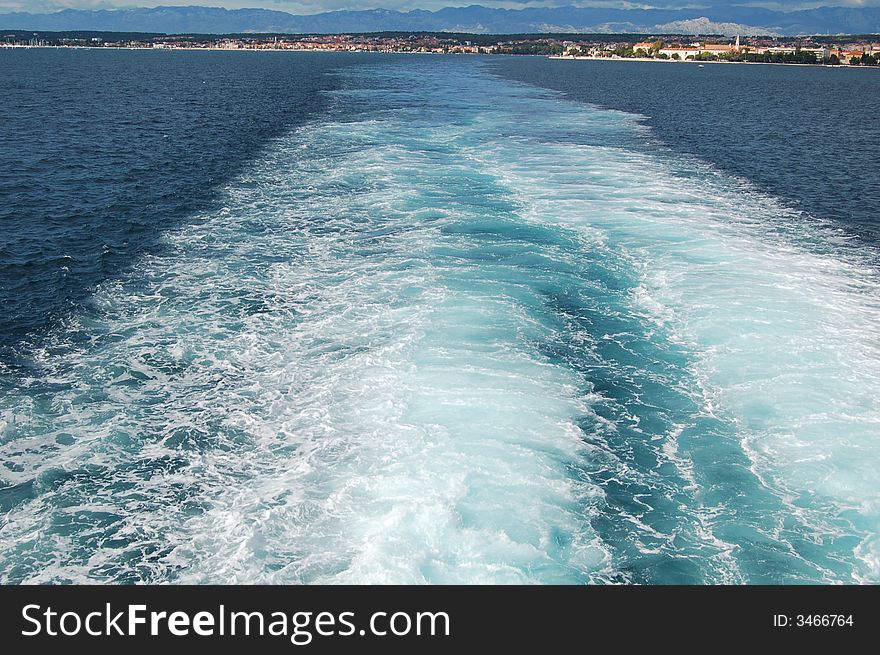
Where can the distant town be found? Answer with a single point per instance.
(851, 50)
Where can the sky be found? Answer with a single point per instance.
(316, 6)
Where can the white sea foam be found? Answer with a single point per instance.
(351, 373)
(785, 333)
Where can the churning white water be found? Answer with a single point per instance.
(459, 330)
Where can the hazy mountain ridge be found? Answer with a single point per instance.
(484, 19)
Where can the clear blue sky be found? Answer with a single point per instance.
(314, 6)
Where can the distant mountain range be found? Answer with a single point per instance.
(474, 19)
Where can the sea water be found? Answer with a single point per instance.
(446, 327)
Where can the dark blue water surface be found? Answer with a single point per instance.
(102, 150)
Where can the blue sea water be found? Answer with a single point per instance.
(276, 317)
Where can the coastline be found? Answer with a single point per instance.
(695, 61)
(6, 46)
(215, 49)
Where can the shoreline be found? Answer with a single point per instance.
(416, 52)
(215, 49)
(695, 61)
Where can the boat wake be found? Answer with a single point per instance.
(459, 330)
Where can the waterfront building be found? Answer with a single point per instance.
(680, 52)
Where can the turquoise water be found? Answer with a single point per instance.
(457, 329)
